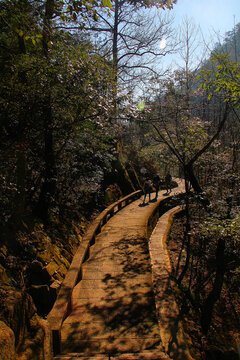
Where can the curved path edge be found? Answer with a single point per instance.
(61, 307)
(171, 328)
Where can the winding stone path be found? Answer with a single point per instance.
(113, 306)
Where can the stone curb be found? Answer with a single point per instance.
(170, 324)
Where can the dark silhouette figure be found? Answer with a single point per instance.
(147, 189)
(156, 184)
(168, 181)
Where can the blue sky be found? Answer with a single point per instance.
(211, 15)
(215, 18)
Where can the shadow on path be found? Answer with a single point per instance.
(119, 314)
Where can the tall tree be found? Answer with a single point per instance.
(131, 37)
(17, 21)
(35, 58)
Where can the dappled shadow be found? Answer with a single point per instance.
(143, 204)
(120, 325)
(113, 306)
(122, 317)
(167, 193)
(169, 316)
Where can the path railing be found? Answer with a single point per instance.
(62, 305)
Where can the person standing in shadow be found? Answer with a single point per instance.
(147, 189)
(168, 181)
(156, 184)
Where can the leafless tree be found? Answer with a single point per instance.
(131, 38)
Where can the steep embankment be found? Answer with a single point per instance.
(30, 273)
(32, 266)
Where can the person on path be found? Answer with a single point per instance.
(168, 181)
(147, 189)
(156, 184)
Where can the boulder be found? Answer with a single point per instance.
(52, 268)
(37, 347)
(19, 308)
(7, 342)
(23, 334)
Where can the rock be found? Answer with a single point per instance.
(19, 308)
(3, 276)
(112, 194)
(55, 286)
(57, 272)
(38, 346)
(3, 251)
(43, 297)
(37, 274)
(67, 255)
(62, 271)
(23, 334)
(7, 342)
(52, 267)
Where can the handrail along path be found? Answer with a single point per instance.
(119, 245)
(62, 305)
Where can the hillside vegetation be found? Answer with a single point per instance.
(76, 135)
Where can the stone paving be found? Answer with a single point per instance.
(113, 306)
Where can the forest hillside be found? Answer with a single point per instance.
(86, 114)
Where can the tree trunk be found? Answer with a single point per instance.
(46, 198)
(115, 56)
(115, 39)
(208, 306)
(20, 199)
(190, 176)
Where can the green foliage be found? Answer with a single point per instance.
(107, 3)
(162, 4)
(76, 82)
(218, 228)
(224, 79)
(141, 105)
